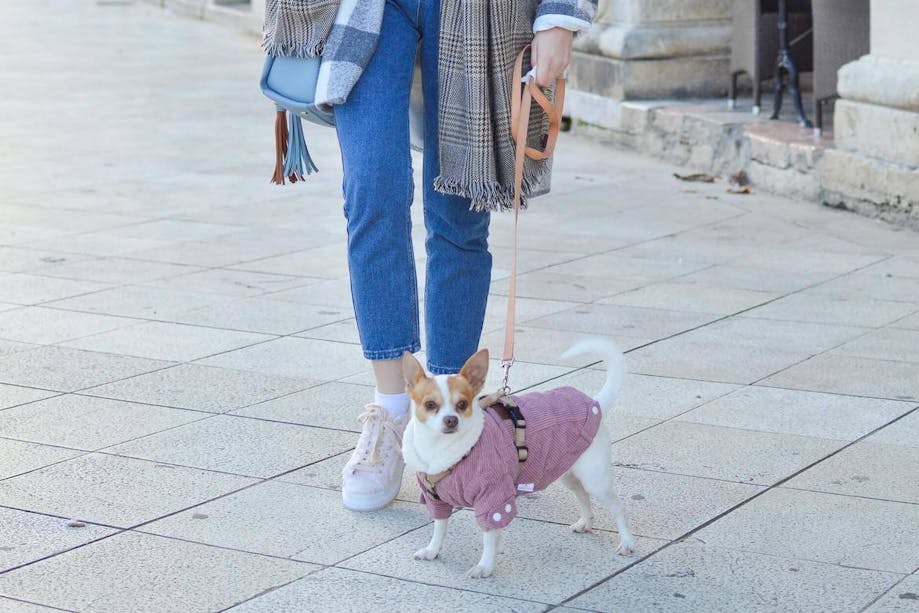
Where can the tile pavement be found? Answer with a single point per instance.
(180, 371)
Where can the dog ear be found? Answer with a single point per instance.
(476, 369)
(411, 370)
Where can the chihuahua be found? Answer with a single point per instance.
(481, 452)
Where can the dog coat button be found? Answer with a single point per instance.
(593, 410)
(496, 517)
(507, 508)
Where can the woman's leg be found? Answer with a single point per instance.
(373, 133)
(458, 264)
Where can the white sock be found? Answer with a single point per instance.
(395, 405)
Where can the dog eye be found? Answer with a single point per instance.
(430, 405)
(461, 405)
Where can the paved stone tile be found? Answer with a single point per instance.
(327, 262)
(19, 288)
(333, 293)
(370, 592)
(694, 577)
(8, 605)
(528, 260)
(844, 530)
(841, 374)
(626, 267)
(11, 347)
(265, 316)
(341, 332)
(755, 279)
(29, 536)
(772, 334)
(691, 297)
(202, 388)
(745, 456)
(116, 271)
(46, 326)
(644, 396)
(622, 320)
(174, 230)
(13, 395)
(527, 309)
(793, 261)
(898, 266)
(828, 309)
(85, 422)
(230, 282)
(872, 284)
(239, 445)
(140, 301)
(167, 341)
(910, 323)
(98, 244)
(17, 457)
(291, 521)
(542, 562)
(14, 259)
(66, 370)
(19, 234)
(114, 490)
(546, 346)
(887, 344)
(650, 499)
(545, 285)
(902, 597)
(45, 216)
(728, 363)
(866, 469)
(330, 405)
(796, 412)
(904, 432)
(153, 574)
(295, 357)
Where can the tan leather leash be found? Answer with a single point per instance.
(521, 101)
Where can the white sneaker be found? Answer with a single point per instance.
(372, 477)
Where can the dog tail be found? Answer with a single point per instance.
(615, 366)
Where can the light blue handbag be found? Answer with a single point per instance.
(290, 82)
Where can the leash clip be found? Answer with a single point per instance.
(506, 365)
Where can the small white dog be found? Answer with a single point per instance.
(482, 452)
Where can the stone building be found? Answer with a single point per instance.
(653, 75)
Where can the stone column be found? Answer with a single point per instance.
(874, 167)
(649, 49)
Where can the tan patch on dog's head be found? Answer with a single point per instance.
(462, 395)
(426, 398)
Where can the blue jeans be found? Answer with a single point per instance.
(373, 131)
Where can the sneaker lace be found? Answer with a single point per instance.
(378, 431)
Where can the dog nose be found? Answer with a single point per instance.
(451, 421)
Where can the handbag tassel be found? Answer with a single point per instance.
(292, 157)
(280, 146)
(298, 156)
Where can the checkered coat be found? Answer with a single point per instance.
(476, 151)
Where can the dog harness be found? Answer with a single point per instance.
(527, 442)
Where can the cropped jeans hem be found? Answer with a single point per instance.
(391, 354)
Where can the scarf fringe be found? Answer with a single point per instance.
(304, 49)
(491, 196)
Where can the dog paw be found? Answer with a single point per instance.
(626, 547)
(426, 554)
(582, 525)
(480, 572)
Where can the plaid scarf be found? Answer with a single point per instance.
(476, 151)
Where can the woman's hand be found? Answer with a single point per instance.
(551, 53)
